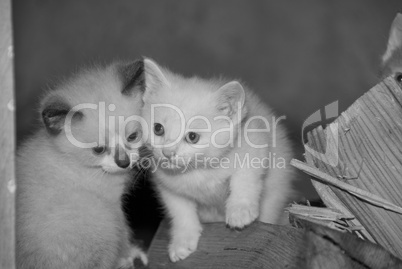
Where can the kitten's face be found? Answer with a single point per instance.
(114, 149)
(104, 133)
(392, 58)
(187, 139)
(189, 123)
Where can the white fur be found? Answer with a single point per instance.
(69, 211)
(206, 194)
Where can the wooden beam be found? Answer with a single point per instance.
(7, 140)
(256, 246)
(263, 245)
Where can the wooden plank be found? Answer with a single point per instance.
(267, 246)
(370, 157)
(256, 246)
(7, 140)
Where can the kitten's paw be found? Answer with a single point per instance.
(182, 246)
(240, 215)
(133, 254)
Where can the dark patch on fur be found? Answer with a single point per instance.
(132, 76)
(54, 116)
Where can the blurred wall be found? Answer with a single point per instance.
(298, 55)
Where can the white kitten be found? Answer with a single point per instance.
(212, 143)
(69, 211)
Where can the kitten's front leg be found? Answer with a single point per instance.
(131, 252)
(243, 203)
(186, 227)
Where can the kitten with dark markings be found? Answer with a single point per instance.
(72, 173)
(219, 154)
(392, 58)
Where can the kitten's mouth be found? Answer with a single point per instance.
(116, 170)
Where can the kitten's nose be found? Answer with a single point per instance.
(121, 158)
(169, 152)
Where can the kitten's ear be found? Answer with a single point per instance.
(154, 77)
(54, 112)
(395, 38)
(231, 98)
(133, 78)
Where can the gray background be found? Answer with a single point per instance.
(298, 55)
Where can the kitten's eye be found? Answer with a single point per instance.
(158, 129)
(192, 137)
(398, 77)
(132, 137)
(99, 150)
